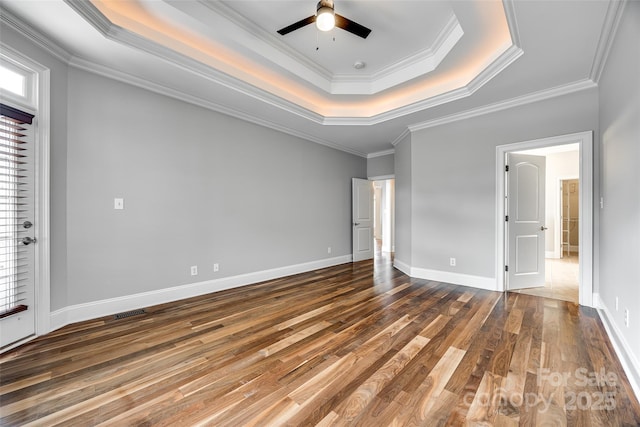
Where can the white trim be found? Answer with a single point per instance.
(43, 203)
(510, 103)
(487, 283)
(380, 177)
(400, 137)
(609, 29)
(120, 35)
(585, 140)
(40, 105)
(628, 360)
(95, 309)
(383, 153)
(402, 266)
(34, 36)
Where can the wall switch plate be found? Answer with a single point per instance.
(452, 262)
(216, 267)
(616, 303)
(194, 270)
(118, 203)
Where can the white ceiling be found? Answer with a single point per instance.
(427, 61)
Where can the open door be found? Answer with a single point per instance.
(525, 229)
(362, 202)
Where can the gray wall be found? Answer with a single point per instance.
(380, 166)
(453, 206)
(402, 167)
(199, 188)
(620, 146)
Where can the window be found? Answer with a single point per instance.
(15, 196)
(12, 81)
(17, 83)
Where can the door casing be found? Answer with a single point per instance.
(39, 103)
(585, 141)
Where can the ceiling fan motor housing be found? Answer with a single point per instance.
(324, 3)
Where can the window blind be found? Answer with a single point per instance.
(15, 205)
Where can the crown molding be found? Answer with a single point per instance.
(510, 13)
(503, 61)
(607, 35)
(511, 103)
(104, 26)
(416, 65)
(400, 72)
(129, 38)
(388, 152)
(9, 19)
(400, 137)
(110, 73)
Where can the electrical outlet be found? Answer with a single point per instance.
(118, 203)
(626, 317)
(616, 303)
(452, 262)
(216, 267)
(194, 270)
(329, 250)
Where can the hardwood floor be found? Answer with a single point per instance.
(561, 279)
(356, 344)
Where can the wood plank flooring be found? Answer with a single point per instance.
(357, 344)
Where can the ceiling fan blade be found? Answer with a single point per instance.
(352, 27)
(301, 23)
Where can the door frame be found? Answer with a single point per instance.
(38, 103)
(585, 141)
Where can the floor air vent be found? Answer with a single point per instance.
(129, 314)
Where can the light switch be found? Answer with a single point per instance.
(118, 203)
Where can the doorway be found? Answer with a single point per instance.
(24, 253)
(560, 252)
(384, 217)
(555, 149)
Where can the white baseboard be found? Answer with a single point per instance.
(95, 309)
(488, 283)
(402, 266)
(628, 360)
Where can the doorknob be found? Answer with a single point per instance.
(27, 224)
(542, 228)
(28, 240)
(355, 224)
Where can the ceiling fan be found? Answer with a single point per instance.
(326, 18)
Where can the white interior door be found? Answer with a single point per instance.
(17, 238)
(525, 226)
(362, 201)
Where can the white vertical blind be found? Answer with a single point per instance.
(15, 193)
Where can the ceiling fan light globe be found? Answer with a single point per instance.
(325, 19)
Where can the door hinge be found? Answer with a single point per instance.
(506, 268)
(506, 218)
(506, 168)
